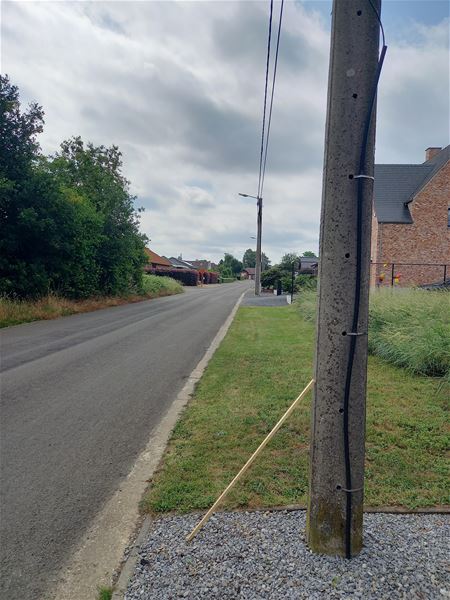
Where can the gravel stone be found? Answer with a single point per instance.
(256, 556)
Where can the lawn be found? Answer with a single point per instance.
(259, 369)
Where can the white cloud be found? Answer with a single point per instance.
(178, 86)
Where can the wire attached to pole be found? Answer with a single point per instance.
(356, 305)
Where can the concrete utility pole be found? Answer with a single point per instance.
(334, 512)
(258, 247)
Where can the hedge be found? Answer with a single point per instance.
(209, 277)
(185, 276)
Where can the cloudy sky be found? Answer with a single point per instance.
(179, 87)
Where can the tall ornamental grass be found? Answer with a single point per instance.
(409, 328)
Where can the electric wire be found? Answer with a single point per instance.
(265, 99)
(271, 98)
(357, 298)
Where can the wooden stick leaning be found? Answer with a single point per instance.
(249, 462)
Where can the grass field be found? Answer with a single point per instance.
(14, 312)
(261, 366)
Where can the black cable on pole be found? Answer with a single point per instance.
(357, 298)
(265, 99)
(271, 98)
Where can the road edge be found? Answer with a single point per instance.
(110, 534)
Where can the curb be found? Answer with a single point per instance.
(160, 439)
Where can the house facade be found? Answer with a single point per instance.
(248, 273)
(411, 221)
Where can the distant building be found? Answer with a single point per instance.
(155, 261)
(309, 265)
(248, 273)
(179, 263)
(411, 221)
(203, 265)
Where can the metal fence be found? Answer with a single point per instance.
(400, 273)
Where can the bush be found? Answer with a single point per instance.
(306, 282)
(152, 285)
(185, 276)
(227, 279)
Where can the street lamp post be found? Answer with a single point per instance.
(258, 242)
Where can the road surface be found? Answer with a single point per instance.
(79, 398)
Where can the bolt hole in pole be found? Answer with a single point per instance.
(341, 410)
(344, 333)
(339, 487)
(355, 95)
(347, 255)
(350, 176)
(359, 13)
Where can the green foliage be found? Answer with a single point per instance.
(160, 286)
(309, 254)
(230, 266)
(18, 144)
(69, 223)
(249, 260)
(270, 277)
(287, 260)
(306, 282)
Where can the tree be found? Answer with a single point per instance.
(230, 266)
(249, 260)
(288, 259)
(265, 262)
(95, 172)
(68, 223)
(18, 130)
(309, 254)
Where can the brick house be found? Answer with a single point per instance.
(411, 221)
(248, 273)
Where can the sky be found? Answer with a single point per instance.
(178, 86)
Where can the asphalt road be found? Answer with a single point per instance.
(79, 398)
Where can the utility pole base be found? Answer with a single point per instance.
(325, 529)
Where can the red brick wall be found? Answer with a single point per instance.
(427, 240)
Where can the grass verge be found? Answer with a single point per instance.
(260, 367)
(14, 312)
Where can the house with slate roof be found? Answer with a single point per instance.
(411, 220)
(179, 263)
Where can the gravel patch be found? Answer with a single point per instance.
(263, 555)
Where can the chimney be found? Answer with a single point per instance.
(431, 153)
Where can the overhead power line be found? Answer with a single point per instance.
(271, 98)
(265, 100)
